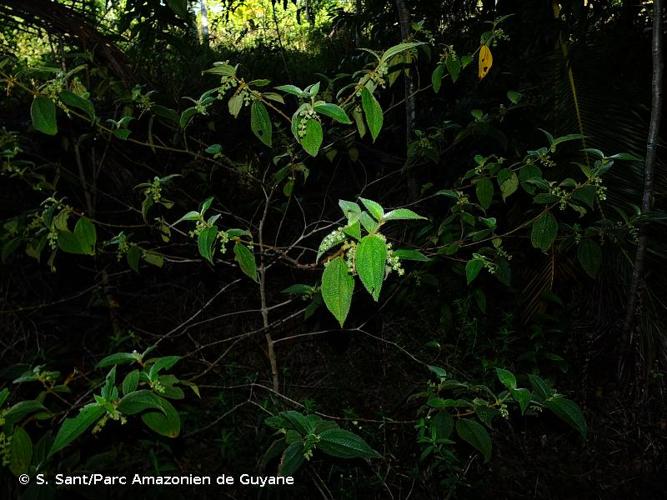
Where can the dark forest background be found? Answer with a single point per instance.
(183, 292)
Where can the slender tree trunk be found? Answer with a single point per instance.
(636, 283)
(203, 22)
(357, 22)
(404, 23)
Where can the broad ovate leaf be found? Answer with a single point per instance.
(371, 257)
(337, 288)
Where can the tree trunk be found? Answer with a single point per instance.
(636, 284)
(404, 23)
(203, 22)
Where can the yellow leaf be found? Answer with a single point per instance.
(485, 61)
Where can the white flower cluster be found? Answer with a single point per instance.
(393, 262)
(563, 196)
(462, 199)
(600, 189)
(5, 448)
(226, 83)
(350, 249)
(115, 415)
(154, 191)
(224, 239)
(306, 115)
(331, 240)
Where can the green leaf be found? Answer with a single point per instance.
(368, 222)
(540, 387)
(353, 230)
(246, 260)
(131, 382)
(290, 89)
(397, 49)
(484, 190)
(473, 267)
(297, 421)
(521, 396)
(506, 378)
(20, 452)
(235, 104)
(260, 122)
(403, 214)
(206, 242)
(568, 411)
(119, 358)
(436, 77)
(372, 111)
(154, 259)
(358, 118)
(299, 289)
(4, 395)
(69, 243)
(43, 115)
(86, 234)
(453, 67)
(333, 111)
(374, 208)
(291, 460)
(443, 423)
(21, 410)
(589, 255)
(186, 117)
(166, 422)
(139, 401)
(340, 443)
(370, 263)
(72, 100)
(514, 96)
(448, 403)
(312, 140)
(72, 428)
(133, 256)
(476, 435)
(337, 288)
(350, 209)
(163, 363)
(544, 231)
(81, 241)
(411, 254)
(508, 182)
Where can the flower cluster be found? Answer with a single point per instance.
(154, 191)
(350, 249)
(143, 101)
(499, 35)
(226, 83)
(600, 189)
(5, 448)
(123, 246)
(393, 262)
(199, 227)
(78, 88)
(54, 87)
(563, 196)
(306, 115)
(331, 240)
(114, 415)
(224, 239)
(462, 199)
(546, 161)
